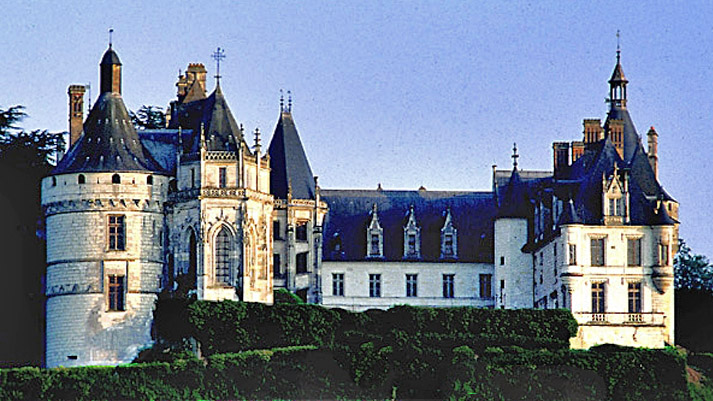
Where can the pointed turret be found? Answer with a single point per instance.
(109, 142)
(288, 161)
(619, 126)
(110, 72)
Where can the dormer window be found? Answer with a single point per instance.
(374, 235)
(614, 198)
(412, 236)
(449, 246)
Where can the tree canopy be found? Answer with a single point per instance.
(21, 148)
(692, 271)
(149, 117)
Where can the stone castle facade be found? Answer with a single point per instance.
(193, 209)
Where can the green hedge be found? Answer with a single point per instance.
(291, 372)
(604, 373)
(227, 326)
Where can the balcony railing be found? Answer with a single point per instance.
(625, 318)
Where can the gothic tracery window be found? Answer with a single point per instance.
(222, 257)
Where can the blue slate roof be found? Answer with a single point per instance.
(221, 131)
(288, 161)
(109, 142)
(345, 226)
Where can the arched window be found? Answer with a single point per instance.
(192, 257)
(116, 179)
(222, 256)
(81, 179)
(149, 180)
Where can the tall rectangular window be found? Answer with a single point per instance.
(633, 252)
(411, 244)
(301, 263)
(116, 292)
(277, 266)
(572, 254)
(448, 245)
(486, 285)
(635, 297)
(374, 251)
(663, 255)
(597, 250)
(598, 302)
(276, 233)
(375, 285)
(301, 231)
(223, 177)
(338, 284)
(411, 285)
(117, 232)
(448, 285)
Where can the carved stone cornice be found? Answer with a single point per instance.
(102, 204)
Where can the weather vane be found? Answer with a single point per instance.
(218, 55)
(618, 47)
(111, 31)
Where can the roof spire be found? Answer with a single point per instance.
(618, 47)
(218, 55)
(514, 156)
(257, 142)
(111, 31)
(282, 101)
(289, 101)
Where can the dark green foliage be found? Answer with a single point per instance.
(283, 296)
(694, 326)
(617, 373)
(692, 271)
(148, 117)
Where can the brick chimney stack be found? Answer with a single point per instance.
(561, 157)
(616, 135)
(593, 131)
(577, 150)
(76, 112)
(653, 139)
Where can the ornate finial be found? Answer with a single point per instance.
(514, 156)
(111, 31)
(618, 47)
(374, 208)
(203, 136)
(282, 101)
(257, 141)
(218, 55)
(289, 101)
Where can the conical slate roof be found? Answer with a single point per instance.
(289, 162)
(109, 142)
(618, 74)
(631, 137)
(110, 57)
(222, 132)
(515, 202)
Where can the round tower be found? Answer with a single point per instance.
(103, 206)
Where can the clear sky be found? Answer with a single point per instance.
(399, 93)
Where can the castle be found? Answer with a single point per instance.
(193, 208)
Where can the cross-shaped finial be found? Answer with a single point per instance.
(218, 55)
(618, 47)
(289, 101)
(514, 155)
(282, 101)
(257, 140)
(111, 31)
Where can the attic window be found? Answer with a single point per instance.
(54, 181)
(374, 236)
(116, 179)
(449, 238)
(149, 180)
(412, 233)
(81, 179)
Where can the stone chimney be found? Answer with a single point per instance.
(76, 112)
(653, 139)
(616, 135)
(561, 157)
(593, 131)
(577, 150)
(196, 73)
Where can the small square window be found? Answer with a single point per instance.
(116, 292)
(116, 230)
(338, 284)
(375, 285)
(412, 285)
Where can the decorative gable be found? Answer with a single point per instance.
(374, 236)
(449, 238)
(615, 198)
(412, 237)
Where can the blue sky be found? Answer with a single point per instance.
(399, 93)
